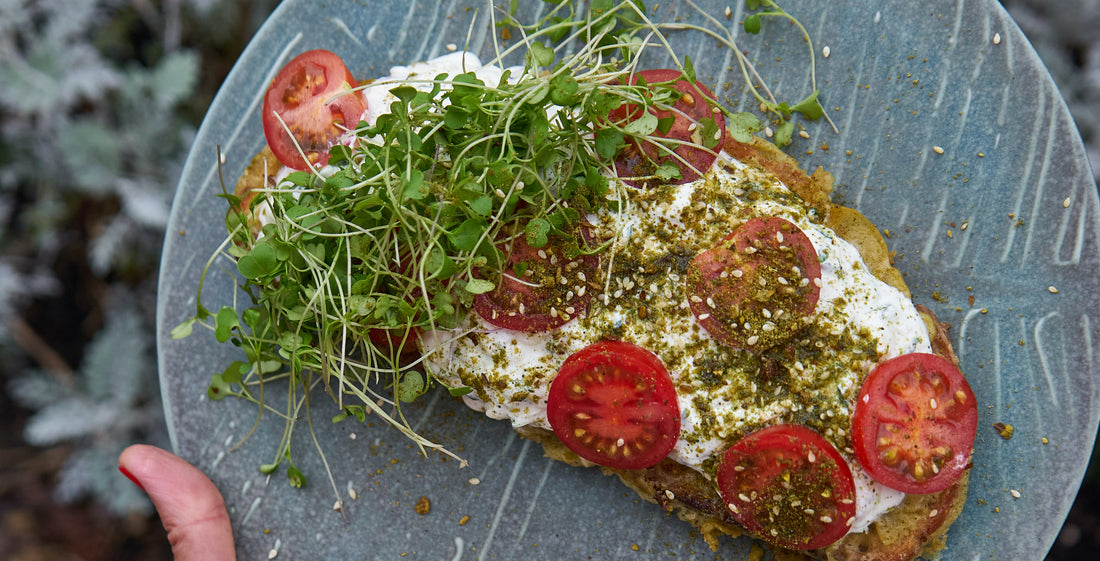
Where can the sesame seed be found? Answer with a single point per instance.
(696, 299)
(743, 497)
(710, 302)
(704, 316)
(474, 481)
(738, 273)
(932, 513)
(850, 521)
(542, 254)
(932, 403)
(752, 340)
(1052, 290)
(996, 38)
(1015, 493)
(671, 496)
(452, 47)
(692, 127)
(779, 237)
(811, 456)
(825, 51)
(809, 511)
(937, 149)
(804, 134)
(729, 13)
(826, 519)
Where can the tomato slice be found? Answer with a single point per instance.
(914, 424)
(789, 486)
(613, 403)
(313, 96)
(753, 289)
(552, 290)
(692, 114)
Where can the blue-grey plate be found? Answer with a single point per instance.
(998, 234)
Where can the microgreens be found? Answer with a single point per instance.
(404, 227)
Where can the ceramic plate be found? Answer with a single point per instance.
(998, 234)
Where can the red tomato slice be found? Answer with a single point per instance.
(613, 403)
(693, 106)
(914, 424)
(752, 290)
(539, 300)
(789, 486)
(306, 95)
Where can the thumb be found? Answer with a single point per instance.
(190, 507)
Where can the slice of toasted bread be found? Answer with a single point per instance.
(917, 526)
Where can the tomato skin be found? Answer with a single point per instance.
(765, 274)
(312, 94)
(613, 403)
(789, 486)
(914, 423)
(638, 160)
(545, 306)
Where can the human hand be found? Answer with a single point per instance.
(190, 507)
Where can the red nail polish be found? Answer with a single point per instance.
(131, 477)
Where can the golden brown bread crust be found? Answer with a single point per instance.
(259, 174)
(918, 525)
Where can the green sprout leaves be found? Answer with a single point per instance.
(353, 263)
(809, 107)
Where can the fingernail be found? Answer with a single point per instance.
(131, 477)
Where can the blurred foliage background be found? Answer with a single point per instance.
(99, 102)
